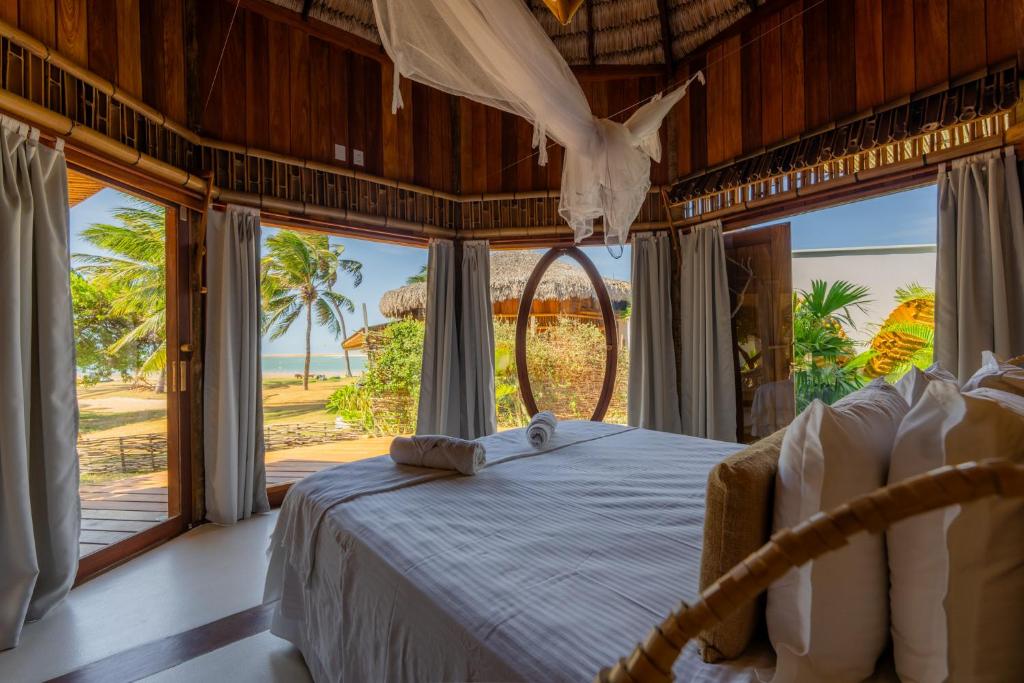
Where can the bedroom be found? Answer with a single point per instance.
(679, 166)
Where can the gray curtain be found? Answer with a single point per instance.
(979, 291)
(40, 515)
(457, 380)
(653, 380)
(707, 380)
(236, 482)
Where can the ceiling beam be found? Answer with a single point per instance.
(666, 38)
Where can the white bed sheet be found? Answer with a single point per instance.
(544, 567)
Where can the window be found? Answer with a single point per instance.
(863, 282)
(565, 338)
(129, 393)
(342, 348)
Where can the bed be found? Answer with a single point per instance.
(546, 566)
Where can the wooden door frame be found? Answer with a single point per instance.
(180, 396)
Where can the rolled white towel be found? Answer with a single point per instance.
(439, 452)
(541, 428)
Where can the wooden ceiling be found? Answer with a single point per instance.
(603, 32)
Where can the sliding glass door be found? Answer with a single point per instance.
(132, 378)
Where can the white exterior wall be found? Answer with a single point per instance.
(881, 269)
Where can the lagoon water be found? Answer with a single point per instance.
(330, 364)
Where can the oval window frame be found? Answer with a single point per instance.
(607, 315)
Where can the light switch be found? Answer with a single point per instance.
(357, 157)
(339, 152)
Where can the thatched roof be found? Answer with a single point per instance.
(81, 187)
(624, 31)
(509, 272)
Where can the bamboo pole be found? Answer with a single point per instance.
(652, 661)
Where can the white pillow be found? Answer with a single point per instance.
(829, 621)
(912, 385)
(957, 576)
(995, 374)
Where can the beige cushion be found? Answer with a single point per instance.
(957, 575)
(828, 619)
(737, 521)
(995, 374)
(912, 385)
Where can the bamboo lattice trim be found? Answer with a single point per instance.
(652, 660)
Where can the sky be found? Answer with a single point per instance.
(902, 218)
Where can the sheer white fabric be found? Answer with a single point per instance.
(496, 53)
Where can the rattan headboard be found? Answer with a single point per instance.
(652, 660)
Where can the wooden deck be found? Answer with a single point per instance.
(114, 511)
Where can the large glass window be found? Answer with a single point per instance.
(863, 278)
(342, 348)
(565, 339)
(119, 297)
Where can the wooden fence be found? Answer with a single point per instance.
(148, 452)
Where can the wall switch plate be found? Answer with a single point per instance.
(357, 157)
(339, 152)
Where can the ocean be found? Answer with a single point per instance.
(330, 364)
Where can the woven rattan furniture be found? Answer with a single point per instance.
(652, 660)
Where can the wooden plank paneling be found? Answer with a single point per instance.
(698, 120)
(494, 150)
(898, 47)
(1005, 29)
(339, 102)
(9, 11)
(682, 112)
(257, 90)
(232, 79)
(716, 121)
(867, 21)
(816, 65)
(298, 80)
(72, 33)
(750, 88)
(771, 80)
(321, 148)
(129, 46)
(931, 43)
(732, 102)
(355, 96)
(172, 47)
(389, 126)
(39, 18)
(792, 32)
(842, 63)
(102, 22)
(967, 50)
(279, 111)
(421, 143)
(210, 35)
(372, 103)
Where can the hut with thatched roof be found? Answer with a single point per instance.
(565, 291)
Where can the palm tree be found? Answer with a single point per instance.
(821, 348)
(299, 273)
(420, 276)
(907, 337)
(132, 274)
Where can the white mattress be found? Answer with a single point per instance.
(543, 567)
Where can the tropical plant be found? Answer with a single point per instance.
(822, 349)
(907, 337)
(131, 275)
(299, 273)
(420, 276)
(96, 330)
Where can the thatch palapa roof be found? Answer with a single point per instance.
(601, 32)
(509, 272)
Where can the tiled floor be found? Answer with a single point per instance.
(206, 574)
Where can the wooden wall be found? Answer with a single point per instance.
(299, 92)
(496, 153)
(806, 64)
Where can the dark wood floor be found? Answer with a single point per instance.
(114, 511)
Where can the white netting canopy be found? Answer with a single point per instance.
(495, 52)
